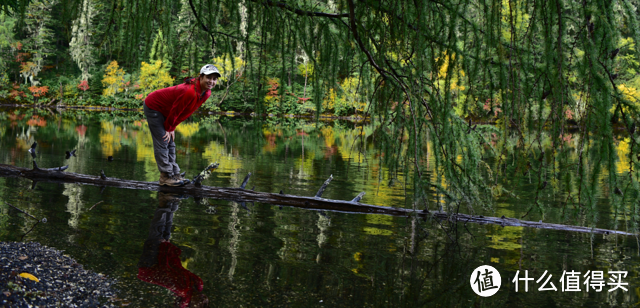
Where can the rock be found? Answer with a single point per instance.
(59, 283)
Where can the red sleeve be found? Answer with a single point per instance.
(189, 110)
(186, 95)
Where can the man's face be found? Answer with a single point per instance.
(207, 82)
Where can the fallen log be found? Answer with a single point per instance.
(324, 186)
(313, 203)
(246, 180)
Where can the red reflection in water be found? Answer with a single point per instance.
(170, 274)
(82, 130)
(37, 121)
(330, 151)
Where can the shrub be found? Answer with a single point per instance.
(83, 86)
(154, 77)
(113, 79)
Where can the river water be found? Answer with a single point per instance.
(259, 255)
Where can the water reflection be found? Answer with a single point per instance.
(292, 257)
(160, 262)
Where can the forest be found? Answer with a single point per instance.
(491, 89)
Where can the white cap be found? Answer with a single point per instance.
(209, 69)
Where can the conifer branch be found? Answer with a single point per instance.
(354, 30)
(211, 33)
(193, 9)
(302, 12)
(107, 33)
(204, 27)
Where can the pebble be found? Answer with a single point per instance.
(62, 281)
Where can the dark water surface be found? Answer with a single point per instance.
(260, 255)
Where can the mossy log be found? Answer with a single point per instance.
(314, 203)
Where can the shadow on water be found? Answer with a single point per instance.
(257, 254)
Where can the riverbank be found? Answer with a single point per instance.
(36, 275)
(321, 117)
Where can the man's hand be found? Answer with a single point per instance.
(168, 136)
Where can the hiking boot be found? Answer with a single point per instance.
(167, 179)
(180, 177)
(169, 200)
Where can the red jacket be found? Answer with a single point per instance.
(177, 103)
(169, 273)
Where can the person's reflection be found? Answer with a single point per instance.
(160, 263)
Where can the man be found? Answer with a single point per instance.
(167, 108)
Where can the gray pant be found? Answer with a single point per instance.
(165, 153)
(160, 229)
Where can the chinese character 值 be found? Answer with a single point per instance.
(570, 281)
(486, 283)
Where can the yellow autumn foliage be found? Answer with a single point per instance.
(442, 72)
(623, 148)
(327, 134)
(357, 256)
(630, 94)
(229, 68)
(345, 101)
(188, 129)
(376, 219)
(154, 77)
(29, 276)
(144, 144)
(110, 136)
(377, 231)
(113, 79)
(455, 81)
(350, 94)
(230, 159)
(330, 100)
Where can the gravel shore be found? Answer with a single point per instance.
(62, 282)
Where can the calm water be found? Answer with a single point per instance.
(258, 255)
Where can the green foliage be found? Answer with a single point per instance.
(160, 51)
(95, 81)
(70, 91)
(305, 69)
(280, 103)
(6, 41)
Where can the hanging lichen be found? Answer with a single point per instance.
(81, 45)
(38, 40)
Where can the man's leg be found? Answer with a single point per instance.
(161, 149)
(174, 164)
(172, 157)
